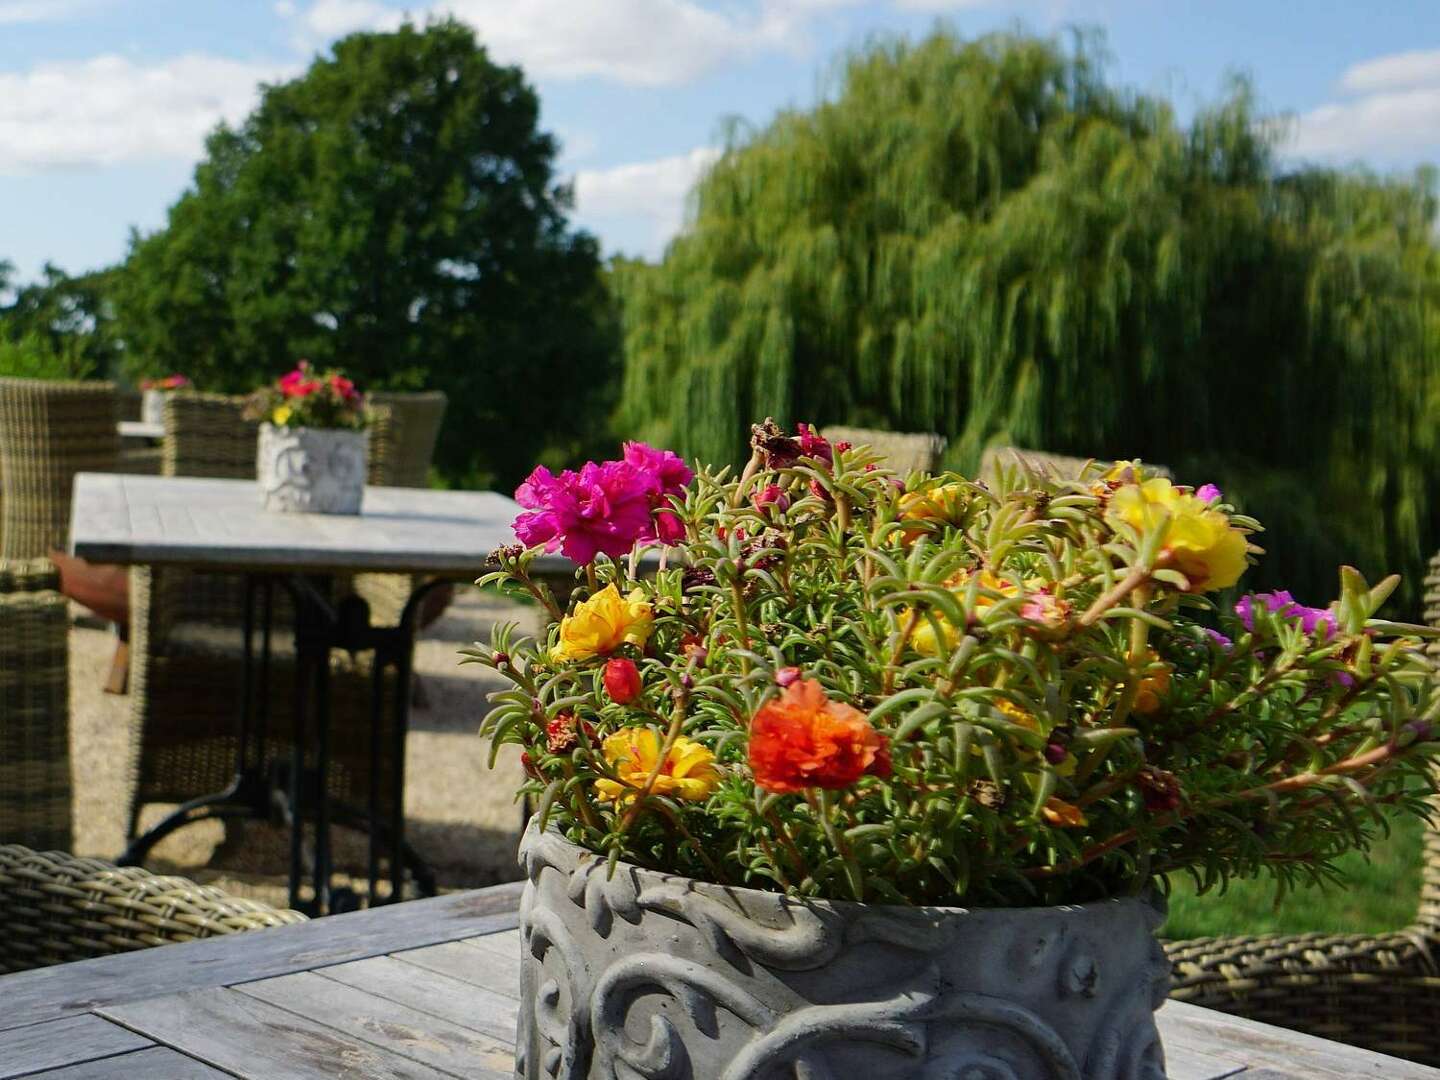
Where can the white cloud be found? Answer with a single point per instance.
(1394, 128)
(109, 109)
(638, 42)
(643, 202)
(1398, 71)
(1391, 116)
(13, 12)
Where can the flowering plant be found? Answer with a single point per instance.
(845, 684)
(305, 398)
(167, 382)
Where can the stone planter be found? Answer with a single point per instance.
(647, 975)
(312, 470)
(152, 406)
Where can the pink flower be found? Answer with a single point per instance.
(667, 475)
(771, 495)
(1209, 493)
(1283, 604)
(1218, 638)
(602, 508)
(813, 444)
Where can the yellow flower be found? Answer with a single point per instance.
(603, 623)
(1153, 684)
(688, 773)
(945, 503)
(1063, 814)
(1198, 541)
(281, 415)
(1040, 606)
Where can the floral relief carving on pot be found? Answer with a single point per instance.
(638, 974)
(312, 470)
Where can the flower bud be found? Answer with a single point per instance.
(772, 495)
(528, 764)
(622, 681)
(500, 659)
(1055, 753)
(786, 675)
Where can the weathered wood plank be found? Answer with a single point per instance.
(63, 1042)
(254, 1040)
(471, 1006)
(157, 1063)
(69, 989)
(468, 964)
(383, 1023)
(1189, 1029)
(1198, 1066)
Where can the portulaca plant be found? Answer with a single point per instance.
(844, 683)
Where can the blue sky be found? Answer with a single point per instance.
(104, 103)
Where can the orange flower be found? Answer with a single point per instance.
(1061, 813)
(802, 739)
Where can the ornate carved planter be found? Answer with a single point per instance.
(152, 406)
(312, 470)
(646, 975)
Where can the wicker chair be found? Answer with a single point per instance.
(187, 650)
(55, 908)
(905, 452)
(49, 431)
(1381, 992)
(1061, 466)
(35, 802)
(403, 457)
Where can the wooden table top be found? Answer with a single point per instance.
(426, 989)
(219, 524)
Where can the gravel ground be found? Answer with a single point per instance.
(462, 817)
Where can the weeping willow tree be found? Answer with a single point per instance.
(984, 239)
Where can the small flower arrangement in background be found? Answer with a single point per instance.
(167, 382)
(305, 398)
(848, 684)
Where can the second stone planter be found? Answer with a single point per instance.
(312, 470)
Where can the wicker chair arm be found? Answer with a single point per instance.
(56, 907)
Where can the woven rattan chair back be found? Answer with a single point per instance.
(905, 452)
(35, 784)
(49, 431)
(55, 908)
(419, 417)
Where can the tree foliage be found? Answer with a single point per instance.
(985, 239)
(394, 211)
(57, 327)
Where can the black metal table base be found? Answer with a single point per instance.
(294, 794)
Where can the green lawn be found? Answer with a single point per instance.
(1381, 894)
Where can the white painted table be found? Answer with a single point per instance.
(220, 526)
(424, 989)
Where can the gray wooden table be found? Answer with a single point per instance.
(220, 526)
(215, 524)
(425, 989)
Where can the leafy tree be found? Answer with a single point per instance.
(394, 212)
(64, 324)
(982, 238)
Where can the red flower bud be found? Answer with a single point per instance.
(772, 495)
(528, 764)
(622, 681)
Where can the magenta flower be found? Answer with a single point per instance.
(1209, 493)
(813, 444)
(1287, 607)
(771, 495)
(667, 475)
(602, 508)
